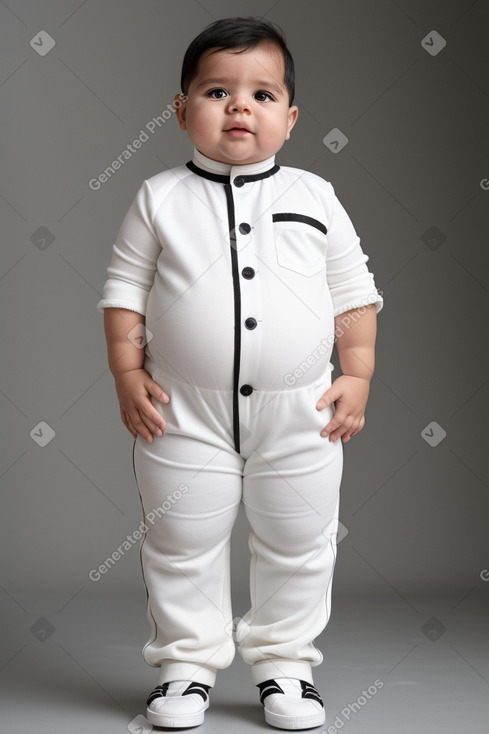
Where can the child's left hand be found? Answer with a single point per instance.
(350, 395)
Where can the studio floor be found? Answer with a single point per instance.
(390, 665)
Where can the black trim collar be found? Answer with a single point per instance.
(220, 178)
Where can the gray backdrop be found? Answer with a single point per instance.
(406, 83)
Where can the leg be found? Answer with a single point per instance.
(190, 493)
(291, 498)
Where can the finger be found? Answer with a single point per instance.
(343, 427)
(355, 429)
(153, 419)
(157, 391)
(128, 424)
(156, 428)
(140, 426)
(339, 433)
(335, 423)
(146, 407)
(330, 396)
(347, 435)
(132, 429)
(330, 427)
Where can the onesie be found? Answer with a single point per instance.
(239, 272)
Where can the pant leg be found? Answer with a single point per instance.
(190, 484)
(291, 488)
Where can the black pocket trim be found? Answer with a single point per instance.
(293, 217)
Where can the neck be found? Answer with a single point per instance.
(213, 166)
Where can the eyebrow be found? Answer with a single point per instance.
(225, 80)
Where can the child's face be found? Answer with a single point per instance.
(237, 110)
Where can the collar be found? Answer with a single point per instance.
(226, 172)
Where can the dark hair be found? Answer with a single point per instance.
(237, 33)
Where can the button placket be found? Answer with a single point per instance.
(244, 206)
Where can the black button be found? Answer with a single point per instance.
(251, 323)
(239, 181)
(245, 228)
(246, 390)
(248, 273)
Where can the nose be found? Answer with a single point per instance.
(238, 103)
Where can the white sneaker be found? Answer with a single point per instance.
(291, 703)
(178, 703)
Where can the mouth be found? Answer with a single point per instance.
(238, 130)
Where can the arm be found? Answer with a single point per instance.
(130, 278)
(133, 384)
(356, 331)
(352, 286)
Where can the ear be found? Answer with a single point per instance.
(180, 106)
(292, 119)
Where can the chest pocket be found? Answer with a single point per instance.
(300, 243)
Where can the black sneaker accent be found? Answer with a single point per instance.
(161, 691)
(271, 686)
(310, 691)
(268, 687)
(201, 688)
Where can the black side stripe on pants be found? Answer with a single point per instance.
(237, 313)
(148, 602)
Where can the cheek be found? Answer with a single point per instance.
(203, 124)
(274, 131)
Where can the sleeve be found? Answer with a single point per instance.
(131, 271)
(350, 282)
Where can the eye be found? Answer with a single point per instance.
(263, 96)
(218, 93)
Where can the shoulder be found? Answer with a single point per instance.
(309, 180)
(307, 186)
(164, 181)
(155, 189)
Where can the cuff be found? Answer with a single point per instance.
(280, 668)
(101, 305)
(187, 671)
(361, 303)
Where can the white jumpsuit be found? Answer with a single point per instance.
(239, 271)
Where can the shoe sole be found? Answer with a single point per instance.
(295, 722)
(175, 721)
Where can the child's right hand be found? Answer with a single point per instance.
(137, 411)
